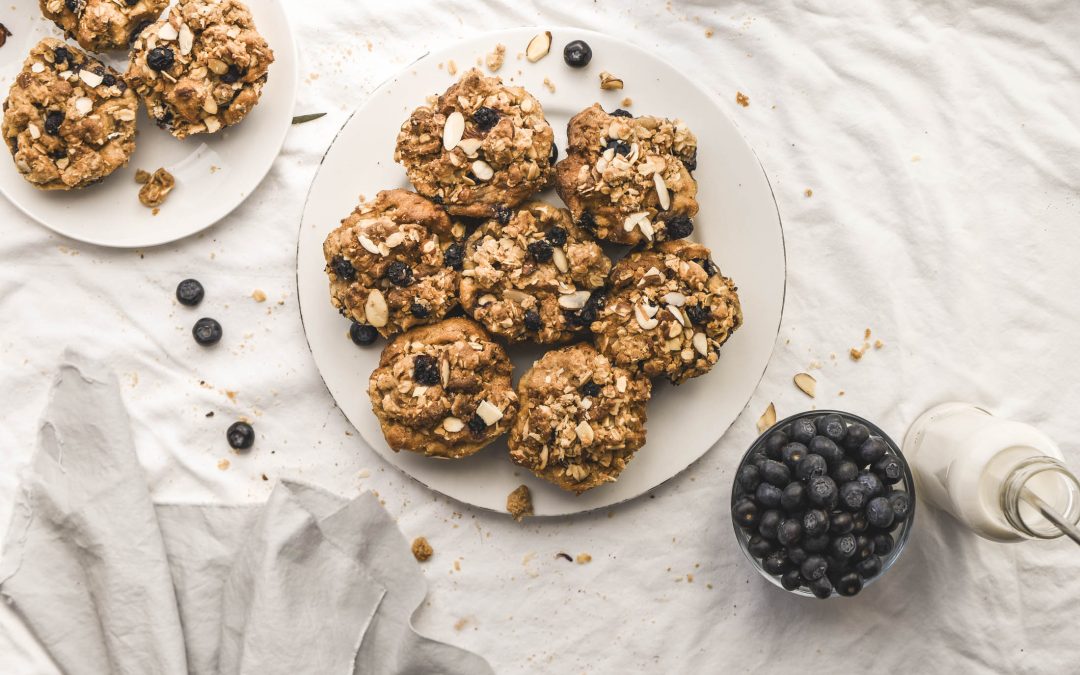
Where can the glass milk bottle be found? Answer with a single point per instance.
(1004, 480)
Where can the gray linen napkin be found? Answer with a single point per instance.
(307, 583)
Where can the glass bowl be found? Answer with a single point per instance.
(900, 534)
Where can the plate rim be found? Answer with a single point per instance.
(307, 340)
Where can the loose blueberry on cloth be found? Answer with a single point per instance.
(112, 583)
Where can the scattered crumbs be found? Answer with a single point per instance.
(363, 473)
(214, 168)
(840, 393)
(421, 549)
(156, 210)
(210, 414)
(708, 586)
(519, 503)
(627, 102)
(709, 32)
(866, 334)
(584, 559)
(264, 477)
(832, 355)
(457, 565)
(689, 578)
(609, 81)
(460, 624)
(451, 67)
(155, 187)
(223, 464)
(878, 344)
(231, 395)
(258, 296)
(814, 365)
(550, 85)
(495, 59)
(440, 65)
(370, 46)
(134, 378)
(564, 556)
(856, 354)
(916, 158)
(742, 99)
(808, 192)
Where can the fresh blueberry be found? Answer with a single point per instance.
(797, 554)
(699, 316)
(363, 334)
(540, 250)
(240, 435)
(889, 469)
(769, 524)
(418, 310)
(679, 227)
(61, 54)
(814, 567)
(815, 544)
(850, 584)
(815, 522)
(745, 512)
(619, 112)
(789, 532)
(810, 466)
(776, 473)
(399, 273)
(160, 58)
(843, 546)
(477, 425)
(859, 522)
(532, 320)
(619, 146)
(791, 580)
(853, 495)
(454, 256)
(869, 567)
(748, 478)
(864, 547)
(803, 430)
(556, 236)
(342, 268)
(872, 450)
(759, 546)
(206, 332)
(793, 453)
(590, 389)
(577, 54)
(768, 495)
(879, 512)
(53, 120)
(485, 118)
(821, 588)
(844, 471)
(822, 491)
(841, 523)
(827, 448)
(856, 435)
(775, 441)
(874, 486)
(426, 370)
(883, 544)
(793, 497)
(901, 505)
(189, 292)
(832, 427)
(776, 563)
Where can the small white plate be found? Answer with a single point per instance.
(214, 173)
(738, 221)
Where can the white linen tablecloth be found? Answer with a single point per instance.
(940, 143)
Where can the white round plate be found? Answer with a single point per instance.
(214, 173)
(738, 221)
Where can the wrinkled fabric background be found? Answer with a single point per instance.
(940, 142)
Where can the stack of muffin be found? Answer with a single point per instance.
(470, 240)
(69, 120)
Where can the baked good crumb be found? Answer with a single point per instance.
(421, 549)
(519, 503)
(156, 187)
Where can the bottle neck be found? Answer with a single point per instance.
(1049, 480)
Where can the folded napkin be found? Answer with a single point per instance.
(110, 583)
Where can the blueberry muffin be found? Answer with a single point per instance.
(480, 146)
(443, 390)
(667, 312)
(393, 263)
(98, 25)
(69, 121)
(202, 68)
(581, 420)
(628, 178)
(529, 274)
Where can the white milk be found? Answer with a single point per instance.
(973, 465)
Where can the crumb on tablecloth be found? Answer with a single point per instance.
(421, 549)
(855, 354)
(451, 67)
(495, 59)
(627, 102)
(609, 81)
(258, 295)
(809, 192)
(584, 558)
(878, 344)
(742, 99)
(549, 84)
(519, 503)
(223, 464)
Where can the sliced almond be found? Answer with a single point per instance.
(470, 146)
(444, 372)
(677, 314)
(84, 105)
(559, 258)
(620, 384)
(575, 300)
(650, 310)
(674, 298)
(482, 170)
(35, 133)
(91, 78)
(767, 419)
(38, 67)
(375, 309)
(585, 433)
(634, 219)
(167, 32)
(538, 47)
(212, 124)
(488, 412)
(662, 191)
(514, 295)
(526, 105)
(210, 105)
(609, 81)
(125, 115)
(806, 384)
(453, 130)
(368, 245)
(675, 329)
(644, 320)
(646, 229)
(186, 39)
(453, 424)
(218, 66)
(701, 344)
(395, 239)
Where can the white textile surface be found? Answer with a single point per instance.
(940, 142)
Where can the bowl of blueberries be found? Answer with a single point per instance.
(823, 503)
